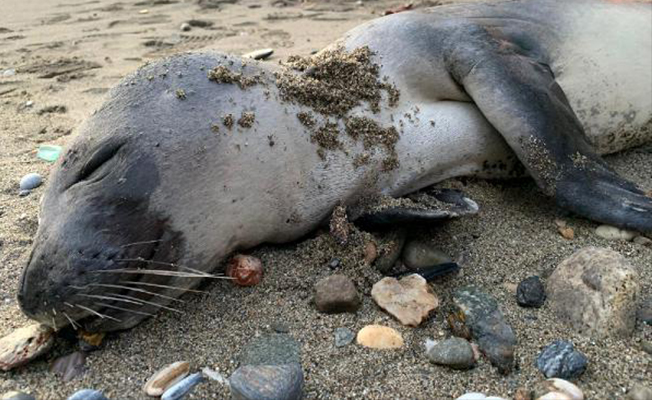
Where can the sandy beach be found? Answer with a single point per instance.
(70, 52)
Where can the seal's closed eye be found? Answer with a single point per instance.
(99, 158)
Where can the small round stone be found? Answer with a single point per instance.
(256, 382)
(87, 394)
(245, 270)
(612, 233)
(185, 27)
(16, 396)
(418, 254)
(530, 292)
(379, 337)
(30, 181)
(453, 352)
(343, 337)
(561, 360)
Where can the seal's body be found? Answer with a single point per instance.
(199, 155)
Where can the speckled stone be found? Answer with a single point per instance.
(530, 292)
(343, 337)
(595, 291)
(488, 327)
(267, 382)
(272, 349)
(561, 360)
(453, 352)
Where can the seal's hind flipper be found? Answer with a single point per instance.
(435, 205)
(519, 96)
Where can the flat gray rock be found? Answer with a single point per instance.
(453, 352)
(267, 382)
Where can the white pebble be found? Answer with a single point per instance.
(185, 27)
(555, 396)
(612, 233)
(472, 396)
(30, 181)
(570, 389)
(9, 72)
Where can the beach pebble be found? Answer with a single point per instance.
(24, 344)
(566, 232)
(530, 292)
(272, 349)
(644, 313)
(165, 378)
(183, 387)
(259, 382)
(612, 233)
(472, 396)
(639, 392)
(30, 181)
(336, 294)
(389, 249)
(335, 263)
(69, 366)
(185, 27)
(409, 300)
(561, 360)
(454, 352)
(418, 254)
(23, 193)
(646, 346)
(458, 326)
(562, 389)
(260, 54)
(214, 376)
(523, 394)
(9, 72)
(87, 394)
(643, 241)
(343, 337)
(14, 395)
(595, 291)
(379, 337)
(488, 327)
(370, 253)
(245, 270)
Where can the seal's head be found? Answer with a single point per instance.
(95, 220)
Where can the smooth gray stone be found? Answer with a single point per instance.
(454, 352)
(267, 382)
(343, 337)
(183, 387)
(30, 181)
(418, 254)
(88, 394)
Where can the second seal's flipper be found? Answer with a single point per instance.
(519, 96)
(435, 205)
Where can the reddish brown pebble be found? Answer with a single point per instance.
(370, 253)
(458, 326)
(567, 232)
(245, 270)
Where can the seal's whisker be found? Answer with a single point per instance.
(54, 323)
(54, 311)
(68, 304)
(145, 242)
(97, 313)
(125, 309)
(149, 303)
(140, 259)
(96, 296)
(162, 286)
(72, 322)
(135, 290)
(177, 274)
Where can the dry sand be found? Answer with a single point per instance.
(513, 237)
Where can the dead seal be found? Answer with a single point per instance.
(196, 156)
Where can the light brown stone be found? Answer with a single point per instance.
(595, 291)
(409, 300)
(24, 344)
(379, 337)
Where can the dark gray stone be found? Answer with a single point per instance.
(336, 294)
(267, 382)
(88, 394)
(272, 349)
(180, 389)
(561, 360)
(453, 352)
(488, 327)
(530, 292)
(644, 313)
(343, 337)
(389, 249)
(70, 366)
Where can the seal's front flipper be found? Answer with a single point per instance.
(435, 205)
(519, 96)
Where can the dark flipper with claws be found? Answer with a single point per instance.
(519, 96)
(434, 206)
